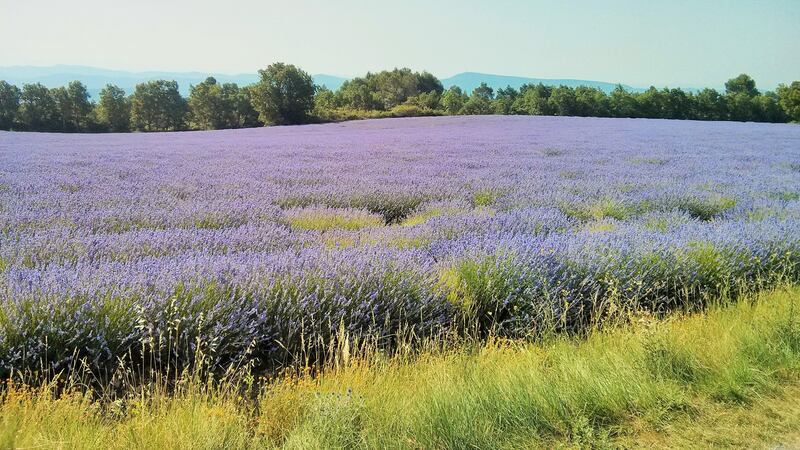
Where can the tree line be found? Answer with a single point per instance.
(401, 92)
(286, 94)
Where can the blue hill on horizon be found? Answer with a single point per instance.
(96, 78)
(470, 80)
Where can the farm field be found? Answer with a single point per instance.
(270, 248)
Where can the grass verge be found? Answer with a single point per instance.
(729, 377)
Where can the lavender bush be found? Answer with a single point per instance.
(266, 244)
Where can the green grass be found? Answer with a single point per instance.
(600, 209)
(728, 377)
(426, 214)
(655, 161)
(786, 196)
(706, 208)
(485, 197)
(552, 152)
(600, 226)
(324, 219)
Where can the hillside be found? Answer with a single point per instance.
(95, 78)
(470, 80)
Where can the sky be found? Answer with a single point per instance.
(636, 42)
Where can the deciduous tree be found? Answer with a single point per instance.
(38, 109)
(114, 109)
(789, 99)
(742, 84)
(453, 100)
(158, 106)
(9, 104)
(284, 95)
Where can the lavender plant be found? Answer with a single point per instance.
(265, 244)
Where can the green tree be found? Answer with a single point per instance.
(74, 107)
(591, 102)
(563, 102)
(211, 107)
(483, 91)
(428, 102)
(394, 87)
(38, 109)
(768, 108)
(9, 104)
(789, 100)
(388, 89)
(480, 102)
(325, 102)
(426, 82)
(742, 84)
(246, 115)
(80, 105)
(677, 104)
(710, 105)
(741, 93)
(504, 101)
(114, 109)
(158, 106)
(230, 98)
(284, 95)
(357, 94)
(453, 100)
(742, 107)
(477, 105)
(650, 103)
(623, 103)
(534, 100)
(62, 108)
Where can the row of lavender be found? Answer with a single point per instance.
(267, 244)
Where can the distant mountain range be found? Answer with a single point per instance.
(95, 78)
(470, 80)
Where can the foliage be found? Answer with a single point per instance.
(284, 95)
(789, 99)
(214, 106)
(9, 105)
(114, 109)
(158, 106)
(453, 100)
(480, 102)
(386, 90)
(73, 105)
(742, 84)
(534, 100)
(38, 109)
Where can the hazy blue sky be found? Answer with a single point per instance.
(638, 42)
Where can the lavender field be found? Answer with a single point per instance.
(267, 245)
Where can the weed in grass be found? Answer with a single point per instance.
(324, 219)
(651, 160)
(597, 210)
(786, 196)
(553, 152)
(601, 226)
(485, 197)
(707, 208)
